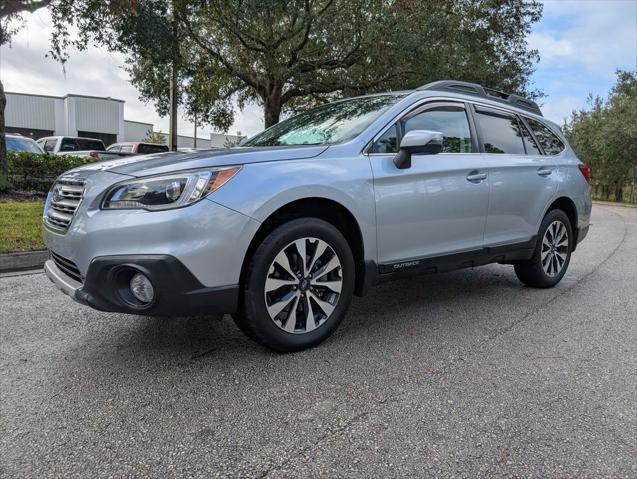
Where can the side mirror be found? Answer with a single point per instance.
(417, 141)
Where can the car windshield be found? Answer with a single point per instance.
(22, 144)
(328, 124)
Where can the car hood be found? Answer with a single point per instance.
(160, 163)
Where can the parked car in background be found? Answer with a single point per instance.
(56, 145)
(19, 143)
(284, 230)
(138, 147)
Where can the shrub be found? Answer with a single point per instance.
(32, 171)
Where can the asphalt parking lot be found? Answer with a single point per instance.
(466, 374)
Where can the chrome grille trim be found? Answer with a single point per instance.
(67, 193)
(67, 266)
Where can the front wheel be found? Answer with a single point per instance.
(298, 286)
(552, 253)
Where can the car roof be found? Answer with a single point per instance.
(71, 137)
(475, 93)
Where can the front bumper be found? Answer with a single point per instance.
(210, 240)
(177, 291)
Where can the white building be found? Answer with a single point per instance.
(37, 116)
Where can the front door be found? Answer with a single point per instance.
(439, 205)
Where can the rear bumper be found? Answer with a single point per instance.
(177, 291)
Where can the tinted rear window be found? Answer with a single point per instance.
(87, 144)
(501, 133)
(145, 148)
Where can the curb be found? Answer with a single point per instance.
(22, 261)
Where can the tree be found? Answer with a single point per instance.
(604, 136)
(288, 55)
(64, 13)
(10, 22)
(156, 137)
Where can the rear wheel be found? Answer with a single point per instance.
(298, 286)
(552, 253)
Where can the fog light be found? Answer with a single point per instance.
(142, 288)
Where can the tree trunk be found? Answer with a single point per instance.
(4, 170)
(619, 194)
(272, 107)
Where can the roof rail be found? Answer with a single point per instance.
(474, 89)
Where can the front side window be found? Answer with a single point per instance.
(451, 121)
(387, 143)
(551, 144)
(501, 133)
(328, 124)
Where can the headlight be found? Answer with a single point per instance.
(167, 191)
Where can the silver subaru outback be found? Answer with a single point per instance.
(283, 230)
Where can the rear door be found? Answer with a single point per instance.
(522, 178)
(438, 206)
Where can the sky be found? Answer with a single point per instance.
(581, 44)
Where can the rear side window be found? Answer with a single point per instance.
(114, 148)
(126, 148)
(529, 142)
(501, 133)
(451, 121)
(145, 148)
(551, 144)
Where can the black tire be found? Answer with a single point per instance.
(532, 272)
(253, 317)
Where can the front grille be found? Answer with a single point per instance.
(66, 196)
(67, 266)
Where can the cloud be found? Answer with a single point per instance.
(560, 109)
(551, 49)
(581, 45)
(593, 35)
(24, 68)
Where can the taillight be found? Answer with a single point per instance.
(93, 154)
(586, 171)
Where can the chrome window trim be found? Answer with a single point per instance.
(424, 101)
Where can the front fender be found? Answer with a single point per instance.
(260, 189)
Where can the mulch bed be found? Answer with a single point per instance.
(8, 196)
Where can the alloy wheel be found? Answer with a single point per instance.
(554, 248)
(303, 285)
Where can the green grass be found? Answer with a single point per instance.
(21, 226)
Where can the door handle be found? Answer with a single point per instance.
(475, 177)
(544, 171)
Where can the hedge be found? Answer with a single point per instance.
(36, 172)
